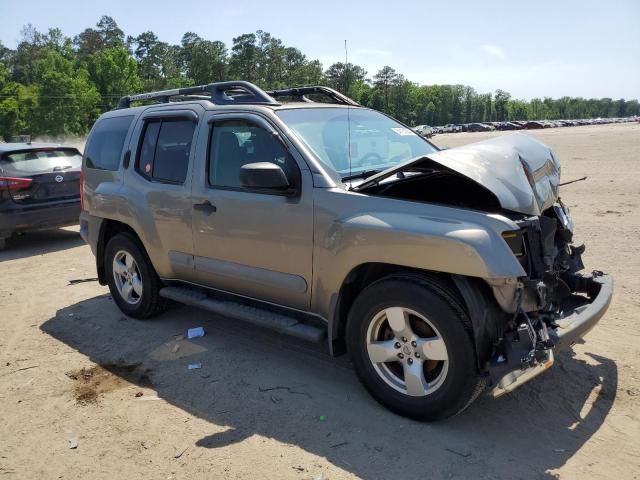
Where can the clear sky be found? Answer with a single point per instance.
(527, 47)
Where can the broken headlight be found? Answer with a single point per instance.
(563, 215)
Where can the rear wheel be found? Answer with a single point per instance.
(133, 282)
(411, 346)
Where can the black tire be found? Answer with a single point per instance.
(150, 303)
(462, 382)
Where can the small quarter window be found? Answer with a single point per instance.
(104, 148)
(164, 150)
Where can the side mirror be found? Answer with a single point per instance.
(265, 175)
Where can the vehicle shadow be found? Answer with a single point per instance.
(40, 242)
(253, 382)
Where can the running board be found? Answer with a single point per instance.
(239, 311)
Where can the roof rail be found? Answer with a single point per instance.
(300, 94)
(221, 93)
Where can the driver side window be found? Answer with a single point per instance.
(234, 143)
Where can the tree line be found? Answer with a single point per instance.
(51, 84)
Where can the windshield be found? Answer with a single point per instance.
(374, 142)
(39, 160)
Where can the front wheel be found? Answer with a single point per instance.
(132, 280)
(411, 346)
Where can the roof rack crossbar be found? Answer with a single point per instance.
(300, 93)
(218, 93)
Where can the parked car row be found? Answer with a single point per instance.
(427, 131)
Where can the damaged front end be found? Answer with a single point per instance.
(553, 306)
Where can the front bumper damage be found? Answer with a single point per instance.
(577, 323)
(523, 355)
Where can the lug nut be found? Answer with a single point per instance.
(404, 339)
(397, 345)
(410, 360)
(414, 344)
(400, 355)
(417, 355)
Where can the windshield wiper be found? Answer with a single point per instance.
(363, 174)
(404, 166)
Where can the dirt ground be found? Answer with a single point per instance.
(88, 393)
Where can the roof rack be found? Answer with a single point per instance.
(234, 92)
(300, 94)
(221, 93)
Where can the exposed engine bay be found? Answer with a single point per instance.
(552, 290)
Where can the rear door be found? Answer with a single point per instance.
(44, 175)
(159, 188)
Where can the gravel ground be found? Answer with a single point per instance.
(87, 393)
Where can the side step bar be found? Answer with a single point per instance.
(240, 311)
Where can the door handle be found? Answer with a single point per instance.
(205, 207)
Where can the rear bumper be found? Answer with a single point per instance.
(38, 217)
(90, 228)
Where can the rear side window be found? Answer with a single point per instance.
(164, 150)
(106, 141)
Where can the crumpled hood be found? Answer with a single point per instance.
(499, 165)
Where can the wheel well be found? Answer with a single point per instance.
(108, 230)
(357, 280)
(486, 318)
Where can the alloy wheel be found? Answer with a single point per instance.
(407, 351)
(127, 277)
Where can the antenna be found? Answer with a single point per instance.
(346, 87)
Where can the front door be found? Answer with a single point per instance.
(252, 242)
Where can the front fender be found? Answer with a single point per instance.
(436, 243)
(419, 236)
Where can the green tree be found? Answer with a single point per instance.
(159, 64)
(343, 76)
(204, 61)
(68, 103)
(106, 35)
(50, 84)
(34, 46)
(386, 78)
(114, 73)
(299, 70)
(16, 103)
(5, 54)
(501, 102)
(243, 62)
